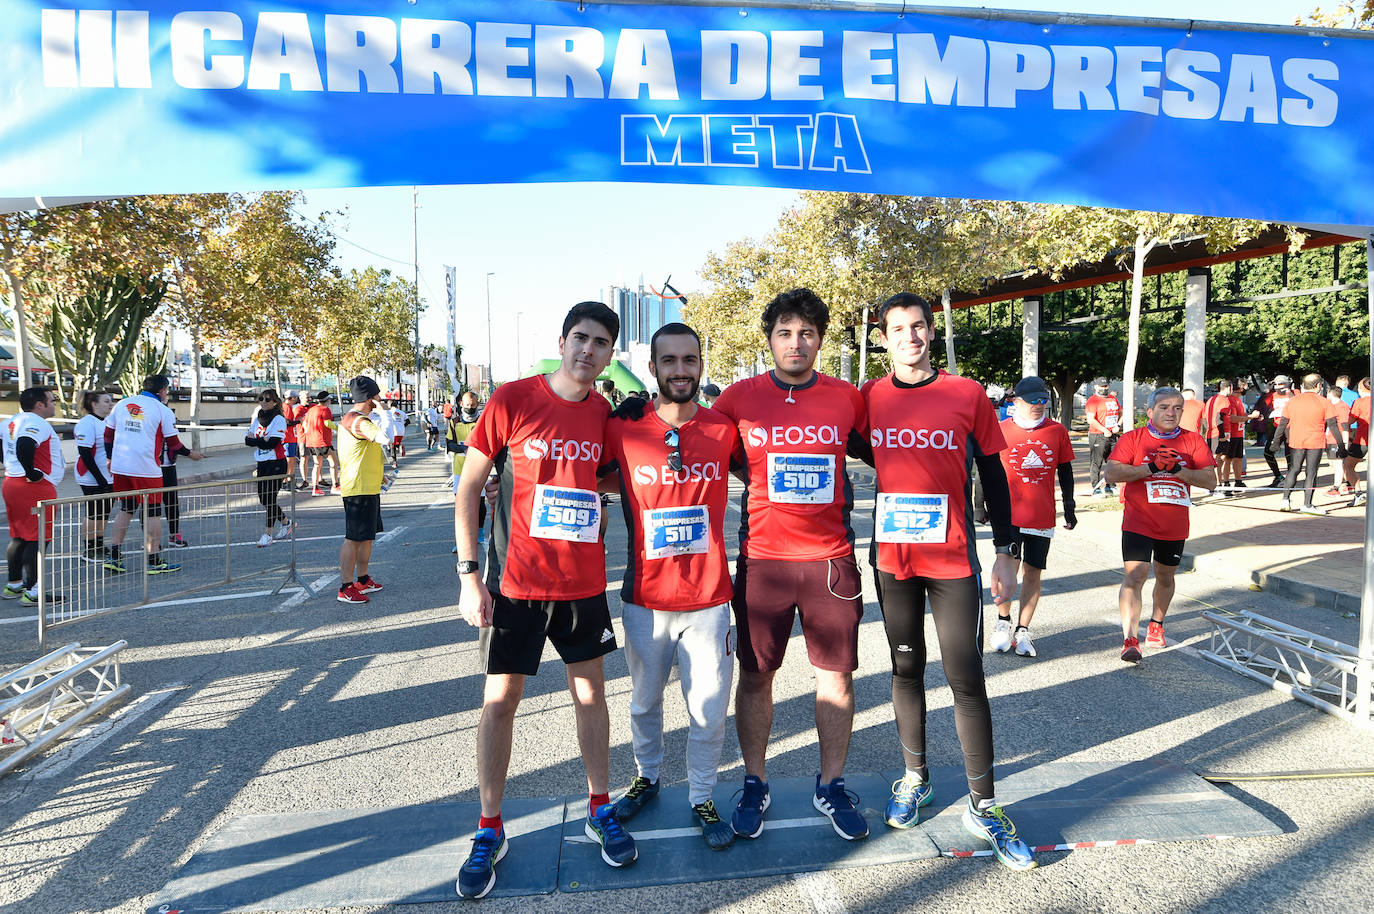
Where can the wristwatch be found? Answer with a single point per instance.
(1009, 549)
(467, 567)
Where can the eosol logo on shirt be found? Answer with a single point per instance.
(665, 476)
(562, 449)
(780, 435)
(939, 439)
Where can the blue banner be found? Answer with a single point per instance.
(173, 97)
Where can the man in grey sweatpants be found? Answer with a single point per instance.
(674, 462)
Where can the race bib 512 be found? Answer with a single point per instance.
(911, 518)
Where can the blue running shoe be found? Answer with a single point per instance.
(617, 847)
(908, 796)
(160, 567)
(993, 826)
(478, 875)
(838, 803)
(747, 820)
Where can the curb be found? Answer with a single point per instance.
(1307, 593)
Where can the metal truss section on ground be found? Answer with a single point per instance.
(1318, 671)
(42, 701)
(210, 530)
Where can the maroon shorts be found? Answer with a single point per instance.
(827, 593)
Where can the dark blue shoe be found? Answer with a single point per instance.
(641, 791)
(908, 796)
(993, 826)
(478, 875)
(838, 803)
(617, 847)
(748, 818)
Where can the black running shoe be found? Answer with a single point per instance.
(718, 833)
(641, 791)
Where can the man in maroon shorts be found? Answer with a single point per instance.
(796, 552)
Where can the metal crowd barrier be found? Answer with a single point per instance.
(54, 694)
(218, 522)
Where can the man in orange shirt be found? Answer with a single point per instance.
(1359, 442)
(1103, 412)
(1306, 419)
(1193, 409)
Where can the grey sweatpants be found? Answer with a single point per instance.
(706, 664)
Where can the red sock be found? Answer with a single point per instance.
(598, 800)
(493, 822)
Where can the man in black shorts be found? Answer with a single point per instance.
(546, 574)
(362, 468)
(1158, 464)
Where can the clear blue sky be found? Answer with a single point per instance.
(551, 245)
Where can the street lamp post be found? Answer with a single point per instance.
(491, 377)
(415, 228)
(518, 362)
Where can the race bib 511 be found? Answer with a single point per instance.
(676, 531)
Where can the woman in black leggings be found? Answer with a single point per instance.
(266, 434)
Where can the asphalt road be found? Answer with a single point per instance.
(279, 704)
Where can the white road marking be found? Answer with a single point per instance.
(17, 621)
(818, 891)
(91, 738)
(391, 534)
(306, 593)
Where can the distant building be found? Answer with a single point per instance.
(641, 311)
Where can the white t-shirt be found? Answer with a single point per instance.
(433, 415)
(90, 432)
(47, 455)
(141, 424)
(398, 422)
(274, 429)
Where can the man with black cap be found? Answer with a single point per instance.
(362, 468)
(1103, 412)
(709, 393)
(1037, 451)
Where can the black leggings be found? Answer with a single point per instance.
(1312, 457)
(957, 607)
(268, 491)
(1278, 441)
(171, 504)
(23, 560)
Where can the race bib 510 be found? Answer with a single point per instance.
(801, 479)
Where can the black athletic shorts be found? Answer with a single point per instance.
(1355, 451)
(1230, 447)
(317, 451)
(1137, 547)
(1034, 549)
(98, 509)
(579, 629)
(362, 517)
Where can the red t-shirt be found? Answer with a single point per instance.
(1225, 416)
(546, 451)
(1193, 416)
(1307, 413)
(924, 439)
(799, 499)
(1157, 506)
(314, 432)
(1106, 411)
(1342, 411)
(676, 520)
(1359, 426)
(1031, 461)
(290, 412)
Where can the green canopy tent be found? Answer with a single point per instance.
(625, 380)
